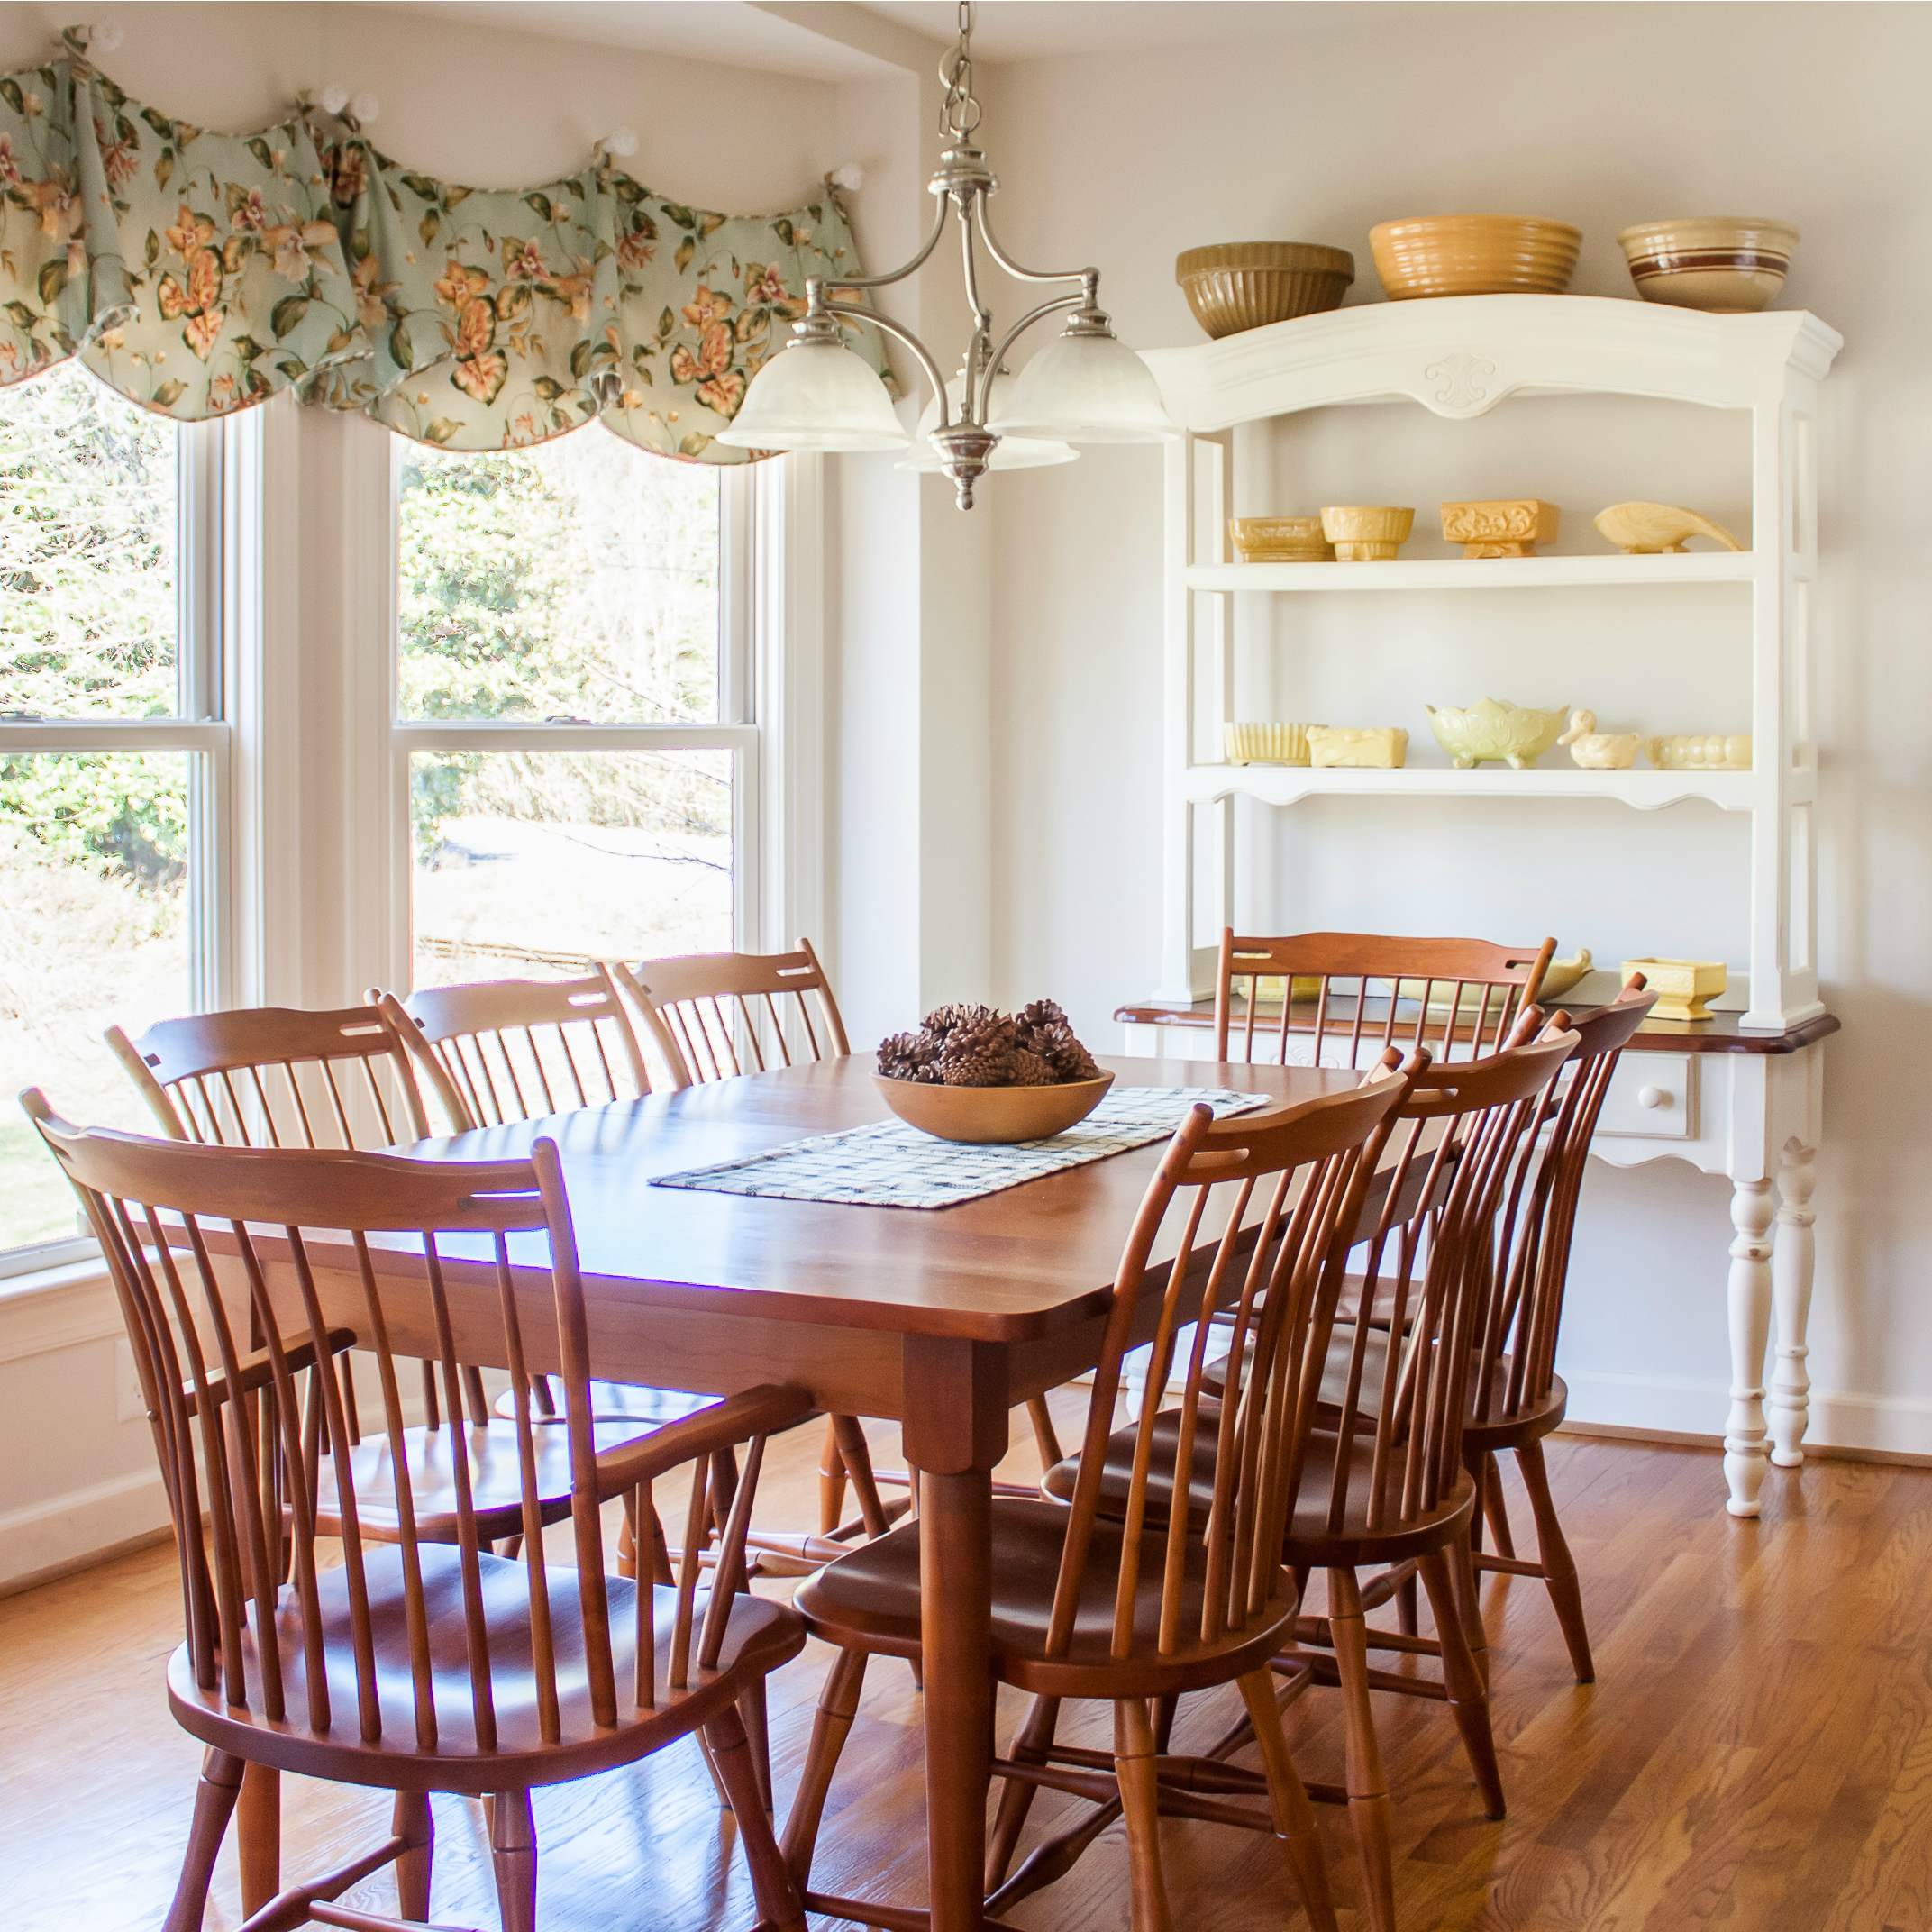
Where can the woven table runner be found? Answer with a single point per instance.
(888, 1164)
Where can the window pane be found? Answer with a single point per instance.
(530, 864)
(88, 543)
(578, 580)
(94, 931)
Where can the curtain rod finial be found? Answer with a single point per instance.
(848, 175)
(334, 97)
(102, 38)
(365, 108)
(622, 141)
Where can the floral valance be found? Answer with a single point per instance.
(197, 273)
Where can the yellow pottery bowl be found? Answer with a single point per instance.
(1474, 255)
(1246, 284)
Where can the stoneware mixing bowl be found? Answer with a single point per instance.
(1474, 255)
(1246, 284)
(1730, 264)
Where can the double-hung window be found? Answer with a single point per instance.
(112, 762)
(575, 722)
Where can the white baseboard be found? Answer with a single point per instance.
(60, 1531)
(1698, 1405)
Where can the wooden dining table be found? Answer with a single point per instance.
(939, 1319)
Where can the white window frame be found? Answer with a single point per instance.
(770, 708)
(200, 728)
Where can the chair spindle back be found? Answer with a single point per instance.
(715, 1014)
(240, 1474)
(508, 1050)
(1357, 994)
(1278, 1195)
(1523, 1309)
(1401, 1380)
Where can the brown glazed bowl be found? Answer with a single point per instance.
(991, 1116)
(1245, 285)
(1728, 264)
(1474, 255)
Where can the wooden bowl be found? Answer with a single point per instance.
(1728, 264)
(989, 1116)
(1246, 284)
(1474, 255)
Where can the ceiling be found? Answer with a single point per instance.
(845, 40)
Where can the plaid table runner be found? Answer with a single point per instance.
(888, 1164)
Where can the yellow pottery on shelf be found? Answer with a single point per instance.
(1366, 533)
(1512, 528)
(1495, 732)
(1265, 744)
(1379, 747)
(1279, 540)
(1599, 750)
(1683, 985)
(1712, 752)
(1647, 529)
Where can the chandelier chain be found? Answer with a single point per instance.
(960, 115)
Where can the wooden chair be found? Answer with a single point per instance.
(1516, 1396)
(411, 1665)
(1384, 1487)
(509, 1050)
(1102, 1602)
(713, 1015)
(1356, 994)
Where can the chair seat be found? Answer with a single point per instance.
(617, 1402)
(761, 1636)
(1493, 1429)
(1310, 1541)
(870, 1600)
(495, 1479)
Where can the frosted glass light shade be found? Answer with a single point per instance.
(816, 395)
(1087, 388)
(1010, 452)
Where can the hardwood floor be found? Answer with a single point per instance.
(1756, 1752)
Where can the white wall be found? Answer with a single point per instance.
(1600, 115)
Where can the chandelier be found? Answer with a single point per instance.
(1087, 386)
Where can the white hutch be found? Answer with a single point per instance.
(1721, 640)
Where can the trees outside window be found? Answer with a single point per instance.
(568, 700)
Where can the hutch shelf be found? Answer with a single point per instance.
(1740, 1094)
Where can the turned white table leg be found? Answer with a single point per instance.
(1792, 1264)
(1750, 1312)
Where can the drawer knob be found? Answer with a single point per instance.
(1653, 1097)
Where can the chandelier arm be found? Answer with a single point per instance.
(882, 281)
(982, 328)
(1028, 321)
(902, 333)
(1091, 277)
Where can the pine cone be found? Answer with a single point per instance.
(993, 1068)
(1029, 1070)
(907, 1056)
(1070, 1061)
(978, 1051)
(942, 1021)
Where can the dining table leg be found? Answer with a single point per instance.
(955, 1431)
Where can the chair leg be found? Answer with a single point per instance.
(1405, 1618)
(627, 1536)
(1469, 1695)
(1134, 1760)
(513, 1847)
(1559, 1567)
(838, 1703)
(259, 1822)
(1029, 1747)
(831, 1481)
(752, 1711)
(1165, 1710)
(778, 1897)
(414, 1827)
(1495, 1511)
(1294, 1816)
(856, 1454)
(215, 1805)
(1045, 1440)
(1368, 1784)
